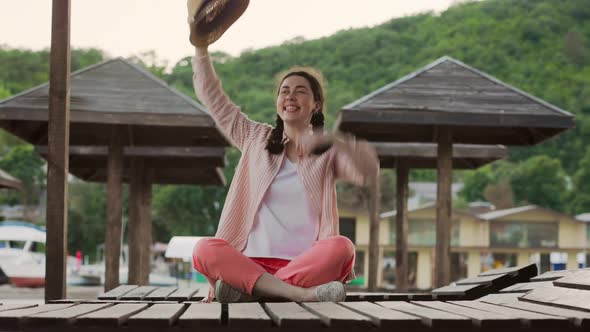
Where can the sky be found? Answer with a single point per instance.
(132, 27)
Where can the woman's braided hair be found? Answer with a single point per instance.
(274, 145)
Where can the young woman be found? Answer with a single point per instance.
(278, 233)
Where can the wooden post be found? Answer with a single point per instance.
(112, 242)
(146, 226)
(139, 232)
(401, 229)
(58, 139)
(373, 236)
(442, 261)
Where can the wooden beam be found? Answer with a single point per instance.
(442, 261)
(112, 243)
(401, 228)
(373, 236)
(57, 167)
(139, 232)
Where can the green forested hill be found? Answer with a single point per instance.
(539, 46)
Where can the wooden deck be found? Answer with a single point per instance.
(553, 301)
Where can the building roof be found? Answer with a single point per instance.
(585, 217)
(489, 216)
(479, 108)
(114, 92)
(168, 165)
(424, 155)
(9, 181)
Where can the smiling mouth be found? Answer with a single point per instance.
(290, 109)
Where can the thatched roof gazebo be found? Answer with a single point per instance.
(118, 105)
(8, 181)
(450, 102)
(405, 156)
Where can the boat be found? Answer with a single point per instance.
(22, 253)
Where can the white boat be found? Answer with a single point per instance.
(22, 253)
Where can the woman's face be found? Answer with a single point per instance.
(295, 101)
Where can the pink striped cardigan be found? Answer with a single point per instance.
(257, 167)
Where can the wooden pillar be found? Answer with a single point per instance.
(112, 242)
(58, 146)
(373, 236)
(401, 229)
(442, 260)
(139, 235)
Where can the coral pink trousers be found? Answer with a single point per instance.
(327, 260)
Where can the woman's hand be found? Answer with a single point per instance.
(315, 144)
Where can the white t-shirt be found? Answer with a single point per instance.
(286, 224)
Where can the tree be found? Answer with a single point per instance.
(540, 180)
(86, 216)
(26, 165)
(579, 198)
(475, 183)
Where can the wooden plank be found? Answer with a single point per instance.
(560, 297)
(58, 133)
(369, 296)
(117, 293)
(576, 317)
(528, 270)
(334, 315)
(465, 292)
(10, 318)
(500, 298)
(201, 314)
(483, 319)
(112, 242)
(160, 293)
(112, 316)
(430, 317)
(374, 222)
(290, 314)
(528, 319)
(138, 293)
(7, 307)
(401, 228)
(384, 317)
(485, 280)
(183, 294)
(579, 279)
(553, 275)
(63, 316)
(442, 253)
(523, 287)
(247, 315)
(202, 293)
(158, 315)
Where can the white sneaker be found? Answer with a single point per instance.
(331, 292)
(225, 293)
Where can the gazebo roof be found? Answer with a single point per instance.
(9, 182)
(114, 92)
(479, 108)
(180, 165)
(424, 155)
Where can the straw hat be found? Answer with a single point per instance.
(209, 19)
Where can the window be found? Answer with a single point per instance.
(17, 244)
(348, 228)
(389, 273)
(458, 265)
(38, 247)
(523, 235)
(422, 232)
